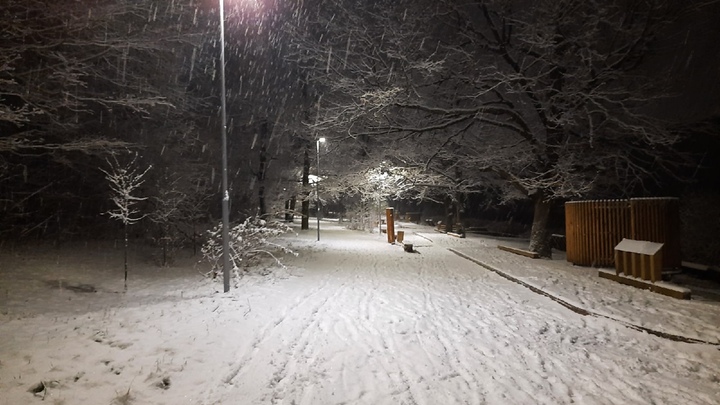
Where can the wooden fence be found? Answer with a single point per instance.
(594, 228)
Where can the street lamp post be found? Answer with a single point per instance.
(223, 132)
(317, 186)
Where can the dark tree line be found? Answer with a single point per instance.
(426, 100)
(82, 82)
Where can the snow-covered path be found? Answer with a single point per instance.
(354, 320)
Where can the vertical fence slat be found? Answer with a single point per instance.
(585, 230)
(602, 231)
(570, 237)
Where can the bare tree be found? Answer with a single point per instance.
(249, 240)
(124, 180)
(167, 214)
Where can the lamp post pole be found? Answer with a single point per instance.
(317, 186)
(223, 132)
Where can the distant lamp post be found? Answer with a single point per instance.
(317, 186)
(223, 132)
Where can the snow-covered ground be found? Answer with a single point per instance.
(352, 320)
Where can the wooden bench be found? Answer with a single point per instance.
(518, 251)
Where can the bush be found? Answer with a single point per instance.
(248, 241)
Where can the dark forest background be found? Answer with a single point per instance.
(489, 110)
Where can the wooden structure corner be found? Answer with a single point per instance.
(517, 251)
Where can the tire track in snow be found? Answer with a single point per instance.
(519, 381)
(435, 323)
(369, 300)
(290, 375)
(430, 324)
(285, 380)
(267, 331)
(451, 350)
(372, 304)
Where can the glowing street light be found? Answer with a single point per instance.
(223, 132)
(317, 186)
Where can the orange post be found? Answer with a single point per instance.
(390, 220)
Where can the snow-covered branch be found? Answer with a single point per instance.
(250, 239)
(124, 180)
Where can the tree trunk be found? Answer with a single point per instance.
(290, 209)
(165, 240)
(540, 242)
(125, 235)
(262, 170)
(306, 185)
(194, 238)
(449, 214)
(456, 204)
(458, 207)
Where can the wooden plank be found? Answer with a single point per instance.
(660, 288)
(602, 232)
(517, 251)
(635, 266)
(570, 235)
(698, 266)
(656, 267)
(584, 256)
